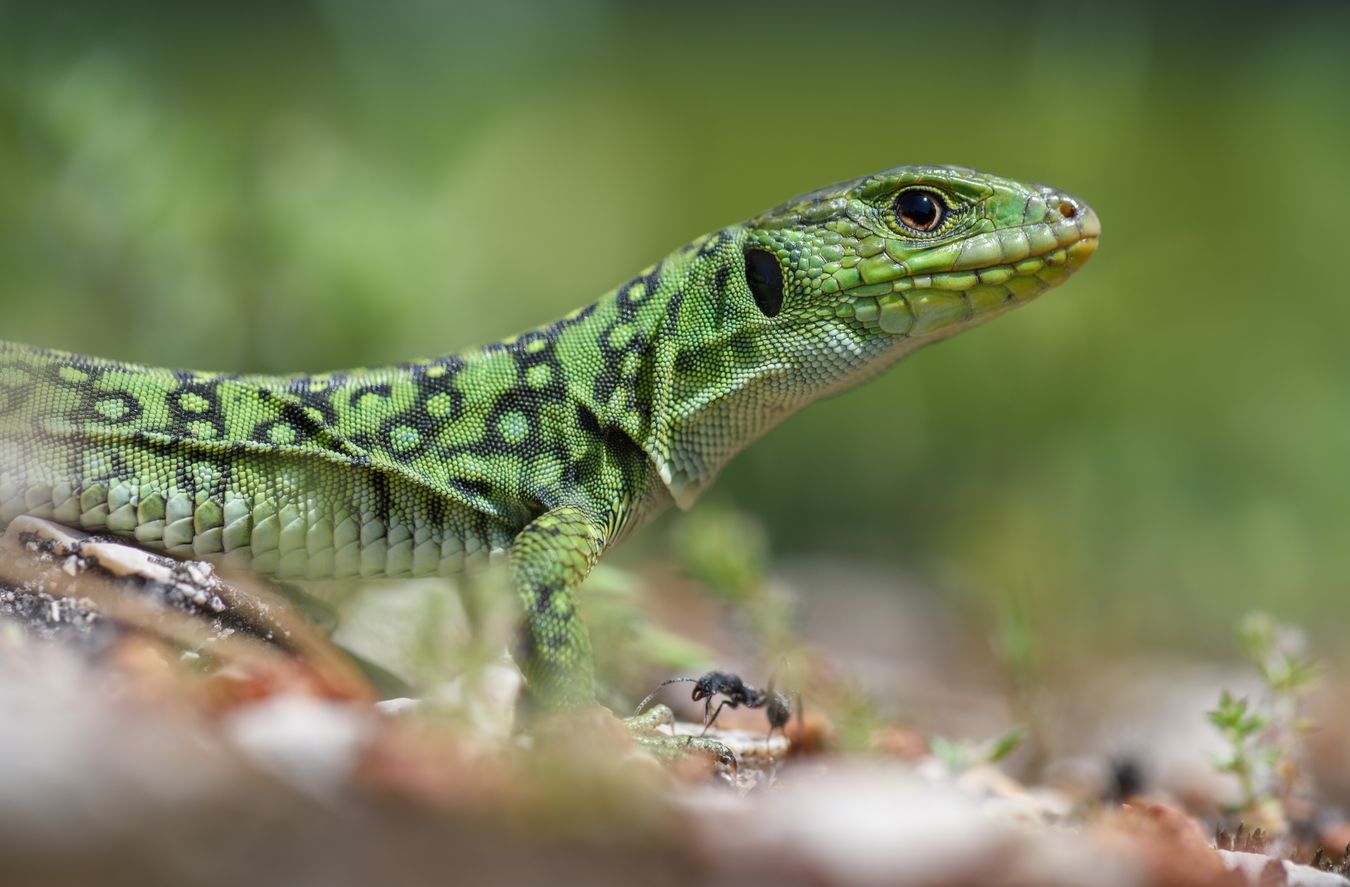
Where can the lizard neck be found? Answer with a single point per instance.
(664, 359)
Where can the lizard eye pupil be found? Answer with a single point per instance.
(765, 277)
(920, 210)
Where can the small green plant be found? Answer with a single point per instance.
(725, 549)
(1241, 727)
(1264, 738)
(728, 552)
(961, 755)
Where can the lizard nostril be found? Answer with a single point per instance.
(1067, 209)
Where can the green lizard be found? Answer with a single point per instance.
(549, 447)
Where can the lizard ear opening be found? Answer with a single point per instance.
(765, 277)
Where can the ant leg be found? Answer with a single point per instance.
(707, 719)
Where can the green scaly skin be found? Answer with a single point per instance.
(545, 448)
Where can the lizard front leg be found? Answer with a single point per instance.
(549, 558)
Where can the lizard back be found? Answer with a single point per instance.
(407, 470)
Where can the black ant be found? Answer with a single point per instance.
(777, 707)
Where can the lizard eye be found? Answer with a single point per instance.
(765, 277)
(923, 211)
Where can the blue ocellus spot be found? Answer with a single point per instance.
(514, 427)
(403, 438)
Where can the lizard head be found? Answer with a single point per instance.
(827, 290)
(906, 257)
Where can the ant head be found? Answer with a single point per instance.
(715, 682)
(705, 687)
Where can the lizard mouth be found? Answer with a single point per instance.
(970, 281)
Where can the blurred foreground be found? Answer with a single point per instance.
(180, 730)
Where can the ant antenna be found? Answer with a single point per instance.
(659, 687)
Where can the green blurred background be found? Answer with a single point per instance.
(1130, 464)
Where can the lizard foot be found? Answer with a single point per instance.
(654, 730)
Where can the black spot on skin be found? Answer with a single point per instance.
(186, 474)
(92, 372)
(381, 389)
(521, 400)
(528, 351)
(720, 279)
(741, 346)
(571, 474)
(478, 488)
(418, 416)
(262, 432)
(384, 502)
(688, 360)
(543, 600)
(14, 397)
(311, 415)
(88, 410)
(586, 421)
(714, 243)
(612, 380)
(436, 514)
(673, 309)
(647, 284)
(302, 390)
(480, 528)
(298, 417)
(554, 329)
(415, 418)
(182, 419)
